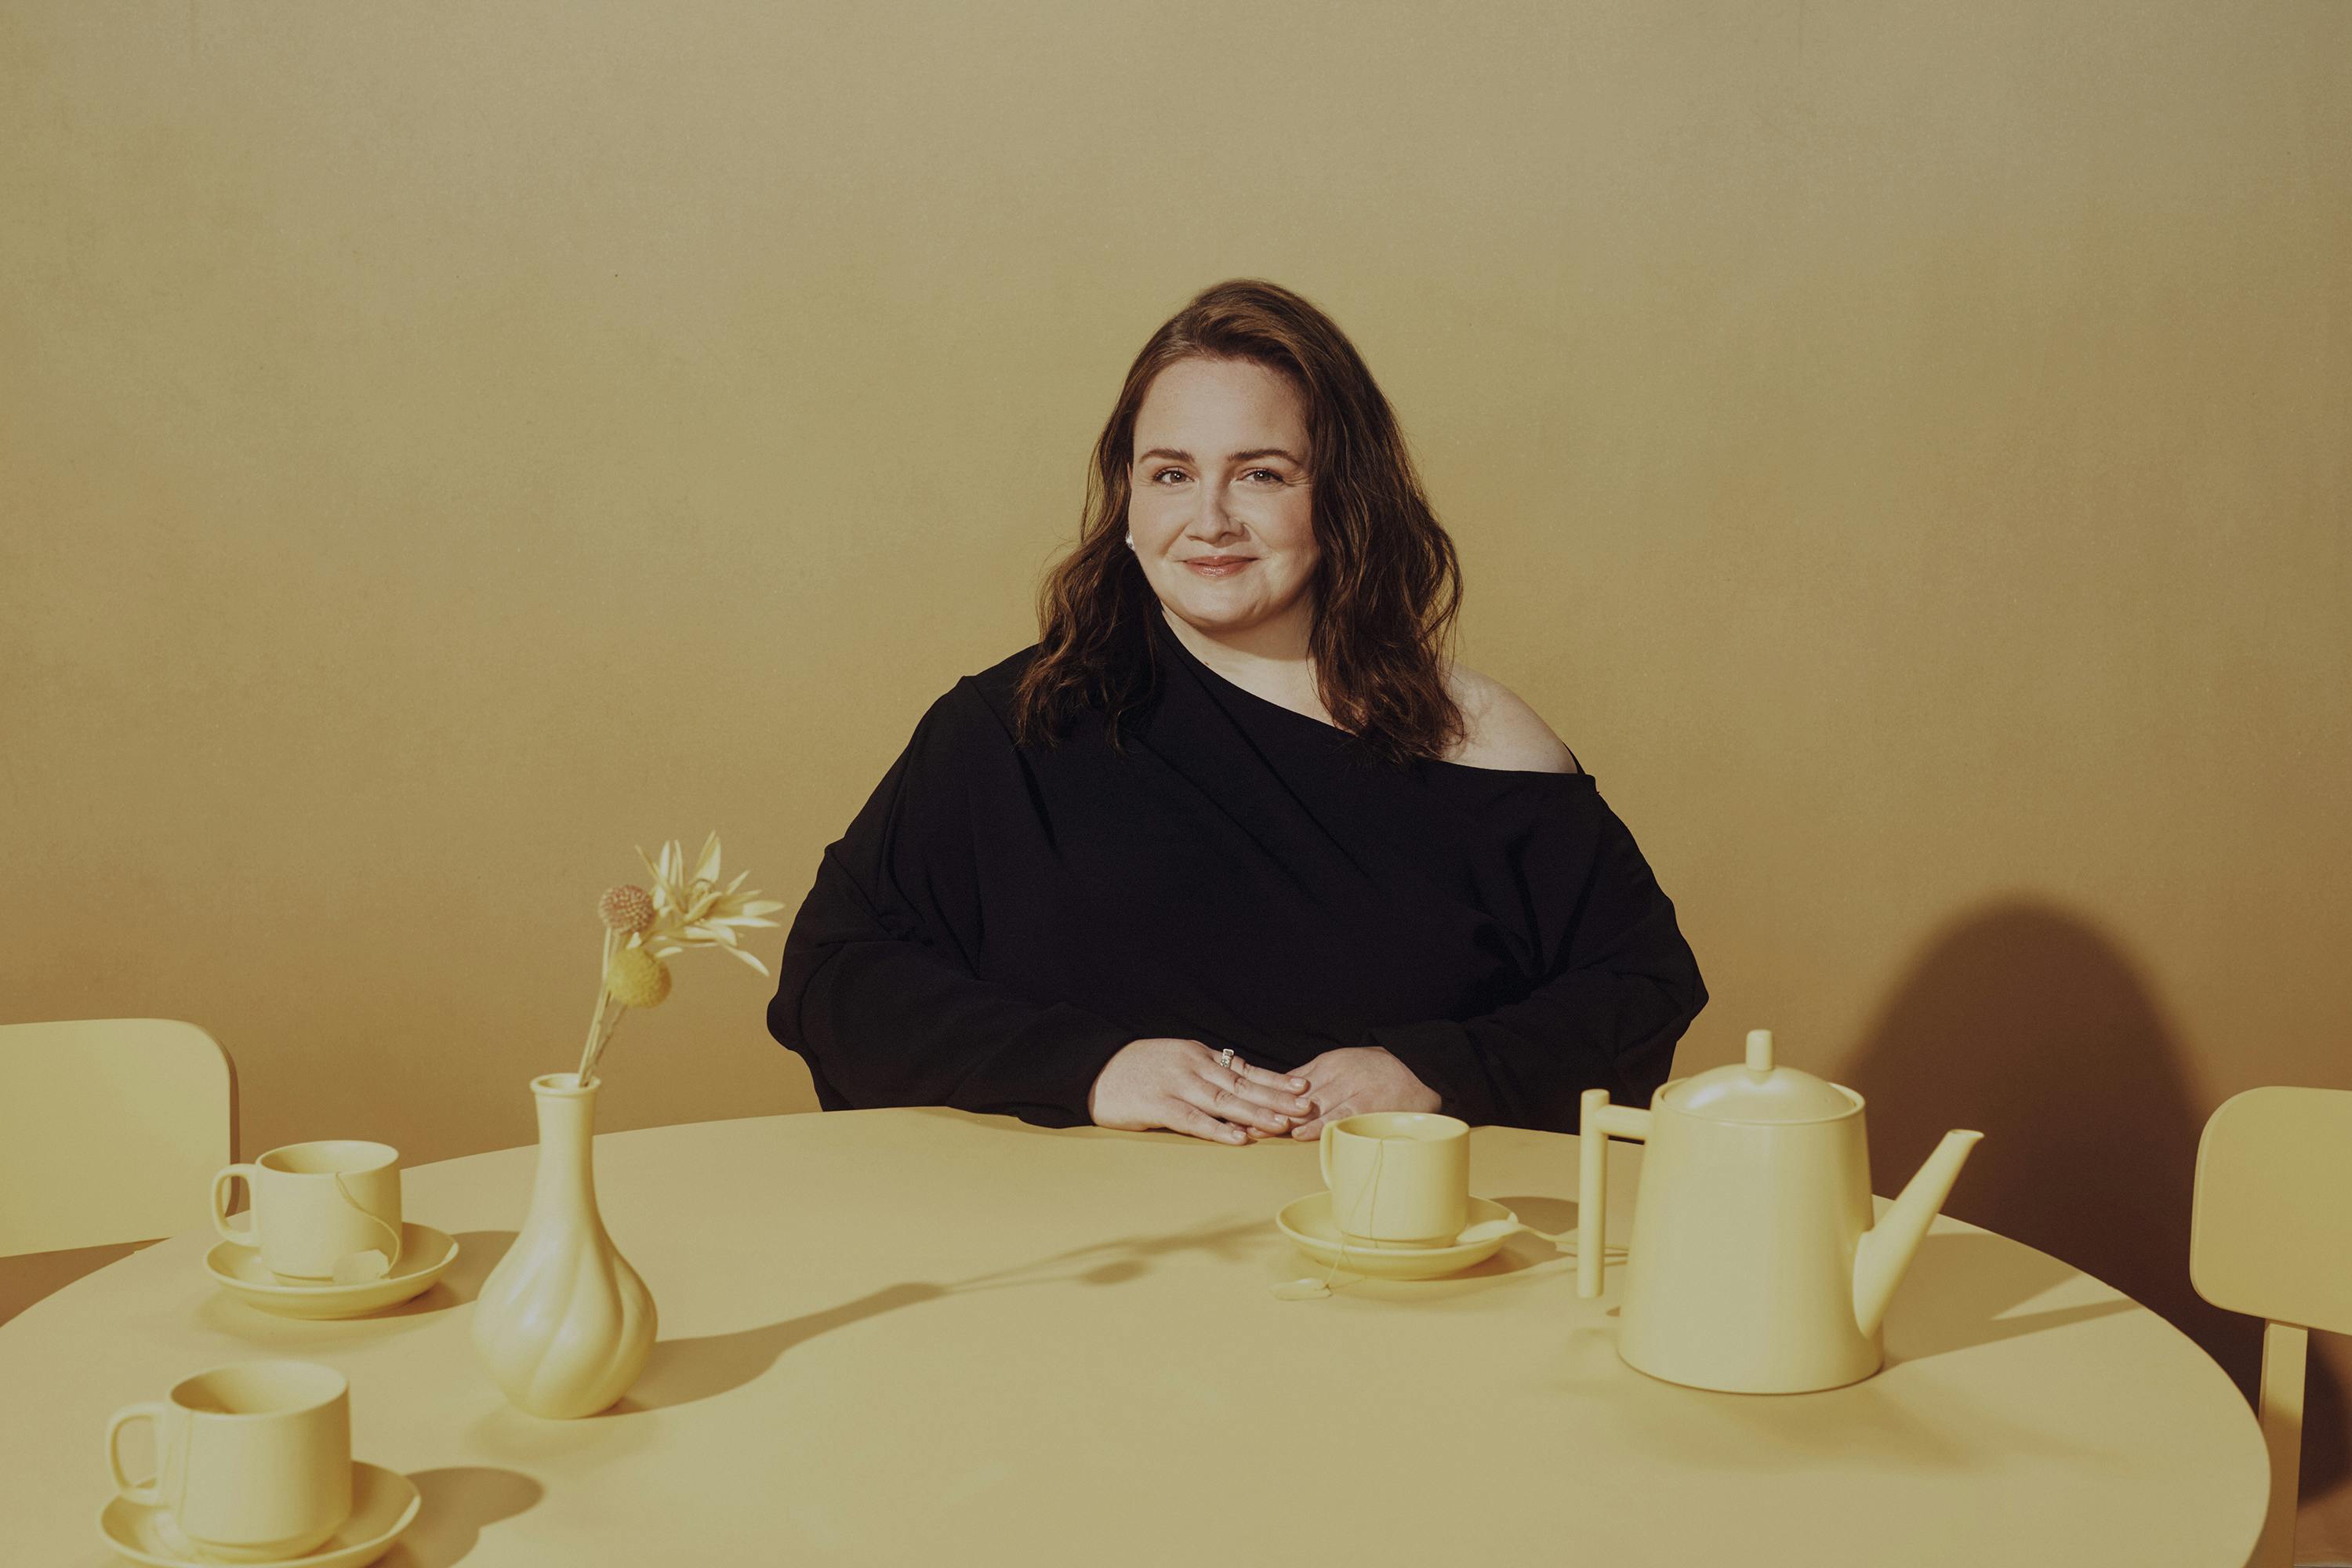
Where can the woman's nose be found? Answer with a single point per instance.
(1213, 523)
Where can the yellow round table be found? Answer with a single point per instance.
(917, 1336)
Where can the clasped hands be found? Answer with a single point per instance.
(1178, 1084)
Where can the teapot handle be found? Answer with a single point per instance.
(1597, 1122)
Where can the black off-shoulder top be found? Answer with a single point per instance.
(999, 921)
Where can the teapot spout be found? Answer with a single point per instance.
(1889, 1245)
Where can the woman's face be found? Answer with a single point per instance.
(1219, 503)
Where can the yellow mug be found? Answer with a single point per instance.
(1401, 1178)
(253, 1460)
(314, 1202)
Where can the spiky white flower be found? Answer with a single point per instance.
(692, 910)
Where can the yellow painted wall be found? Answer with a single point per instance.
(1902, 449)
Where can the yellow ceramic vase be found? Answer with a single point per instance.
(564, 1323)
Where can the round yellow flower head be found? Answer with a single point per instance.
(626, 909)
(637, 978)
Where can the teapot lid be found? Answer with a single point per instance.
(1756, 1090)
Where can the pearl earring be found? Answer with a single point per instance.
(1130, 542)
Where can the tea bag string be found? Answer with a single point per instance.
(391, 1252)
(1292, 1289)
(1368, 1205)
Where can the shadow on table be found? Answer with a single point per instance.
(478, 1252)
(2032, 1025)
(455, 1503)
(1864, 1427)
(1957, 1288)
(30, 1276)
(683, 1371)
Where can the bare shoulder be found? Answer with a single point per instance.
(1503, 731)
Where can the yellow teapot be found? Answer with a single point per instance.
(1755, 1267)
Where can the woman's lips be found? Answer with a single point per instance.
(1219, 565)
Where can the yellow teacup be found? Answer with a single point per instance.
(315, 1203)
(253, 1460)
(1401, 1178)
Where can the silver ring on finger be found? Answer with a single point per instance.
(1225, 1057)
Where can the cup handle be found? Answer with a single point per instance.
(223, 1181)
(150, 1495)
(1323, 1153)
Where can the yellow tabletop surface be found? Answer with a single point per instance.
(917, 1336)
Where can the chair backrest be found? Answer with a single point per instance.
(110, 1129)
(2270, 1229)
(2267, 1233)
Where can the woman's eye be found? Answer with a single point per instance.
(1162, 473)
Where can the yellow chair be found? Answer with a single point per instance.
(2270, 1235)
(110, 1129)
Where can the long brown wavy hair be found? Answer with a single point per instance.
(1387, 586)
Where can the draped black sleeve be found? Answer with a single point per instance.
(875, 989)
(1000, 920)
(1620, 987)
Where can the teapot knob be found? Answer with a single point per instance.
(1760, 1050)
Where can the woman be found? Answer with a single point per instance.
(1233, 850)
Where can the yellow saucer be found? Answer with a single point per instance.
(383, 1503)
(425, 1252)
(1308, 1222)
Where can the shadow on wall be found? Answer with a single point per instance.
(2028, 1024)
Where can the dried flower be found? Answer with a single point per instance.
(636, 978)
(643, 928)
(695, 911)
(628, 908)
